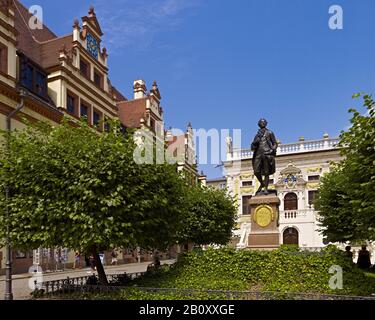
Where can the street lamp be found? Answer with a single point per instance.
(8, 265)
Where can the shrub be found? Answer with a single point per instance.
(282, 271)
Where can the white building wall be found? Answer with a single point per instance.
(309, 158)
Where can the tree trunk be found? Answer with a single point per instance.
(99, 267)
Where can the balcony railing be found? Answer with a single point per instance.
(296, 214)
(289, 148)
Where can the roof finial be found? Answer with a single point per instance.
(104, 51)
(76, 23)
(91, 11)
(155, 90)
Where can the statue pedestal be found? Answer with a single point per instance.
(264, 232)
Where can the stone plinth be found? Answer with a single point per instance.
(264, 232)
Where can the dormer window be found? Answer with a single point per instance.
(33, 77)
(40, 83)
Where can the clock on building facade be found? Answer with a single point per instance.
(92, 46)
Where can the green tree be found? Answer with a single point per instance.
(74, 187)
(209, 217)
(347, 194)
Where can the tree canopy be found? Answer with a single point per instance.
(209, 218)
(74, 187)
(347, 194)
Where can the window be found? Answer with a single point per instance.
(28, 77)
(246, 205)
(32, 77)
(314, 178)
(313, 194)
(84, 68)
(70, 104)
(84, 111)
(40, 84)
(3, 59)
(98, 79)
(106, 125)
(247, 183)
(152, 124)
(290, 201)
(96, 118)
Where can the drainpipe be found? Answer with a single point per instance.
(8, 266)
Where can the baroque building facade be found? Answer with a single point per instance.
(299, 167)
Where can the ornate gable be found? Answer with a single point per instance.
(290, 177)
(90, 38)
(92, 22)
(155, 91)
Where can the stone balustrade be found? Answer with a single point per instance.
(289, 215)
(289, 148)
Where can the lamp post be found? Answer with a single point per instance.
(8, 265)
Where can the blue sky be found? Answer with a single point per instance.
(226, 63)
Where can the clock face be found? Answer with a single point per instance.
(92, 46)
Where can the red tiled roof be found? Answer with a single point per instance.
(131, 112)
(49, 53)
(40, 45)
(119, 97)
(23, 14)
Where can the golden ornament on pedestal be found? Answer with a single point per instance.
(263, 215)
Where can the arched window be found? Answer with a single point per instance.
(290, 236)
(291, 201)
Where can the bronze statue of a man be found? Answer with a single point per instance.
(264, 147)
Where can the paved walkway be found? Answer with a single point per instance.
(21, 289)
